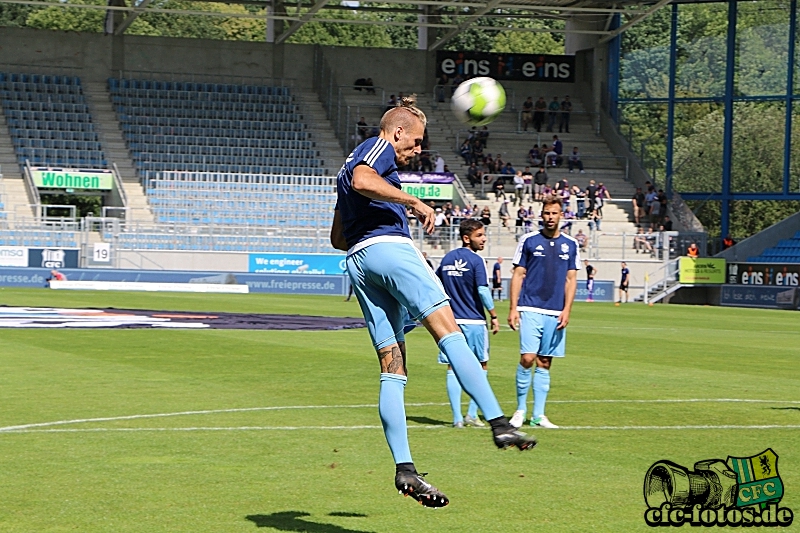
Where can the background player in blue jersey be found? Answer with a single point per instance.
(623, 283)
(543, 288)
(463, 277)
(389, 276)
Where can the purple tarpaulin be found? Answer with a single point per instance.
(426, 177)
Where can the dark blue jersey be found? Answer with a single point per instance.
(547, 262)
(362, 217)
(625, 273)
(462, 271)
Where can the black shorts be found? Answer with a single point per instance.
(623, 286)
(497, 284)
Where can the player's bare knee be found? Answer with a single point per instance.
(543, 362)
(392, 359)
(527, 359)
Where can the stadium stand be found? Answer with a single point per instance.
(213, 127)
(49, 121)
(38, 238)
(787, 251)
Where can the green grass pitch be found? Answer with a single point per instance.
(231, 470)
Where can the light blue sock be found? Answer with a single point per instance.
(472, 410)
(391, 407)
(454, 395)
(470, 374)
(541, 386)
(523, 384)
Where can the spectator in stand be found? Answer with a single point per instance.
(486, 216)
(466, 152)
(440, 223)
(575, 160)
(581, 238)
(499, 164)
(428, 260)
(649, 199)
(693, 250)
(640, 243)
(441, 83)
(662, 200)
(458, 80)
(425, 164)
(499, 189)
(535, 156)
(652, 240)
(668, 224)
(655, 211)
(580, 201)
(519, 227)
(477, 152)
(529, 219)
(472, 175)
(519, 186)
(727, 242)
(602, 191)
(595, 217)
(538, 113)
(457, 215)
(539, 183)
(553, 157)
(552, 114)
(565, 191)
(488, 164)
(497, 279)
(504, 215)
(483, 135)
(569, 217)
(566, 110)
(391, 103)
(439, 167)
(363, 129)
(638, 205)
(527, 113)
(375, 131)
(591, 195)
(527, 180)
(507, 170)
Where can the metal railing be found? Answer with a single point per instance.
(227, 79)
(594, 120)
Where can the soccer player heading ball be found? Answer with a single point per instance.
(389, 276)
(542, 291)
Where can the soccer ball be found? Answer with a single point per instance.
(478, 101)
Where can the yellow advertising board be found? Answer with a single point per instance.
(701, 270)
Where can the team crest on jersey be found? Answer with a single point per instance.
(456, 269)
(564, 247)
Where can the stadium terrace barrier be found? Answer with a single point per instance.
(263, 283)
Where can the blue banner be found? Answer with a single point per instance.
(759, 296)
(267, 283)
(305, 264)
(53, 258)
(603, 291)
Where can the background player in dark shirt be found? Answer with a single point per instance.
(590, 273)
(623, 284)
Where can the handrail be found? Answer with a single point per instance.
(33, 191)
(670, 268)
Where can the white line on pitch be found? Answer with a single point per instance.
(346, 428)
(362, 406)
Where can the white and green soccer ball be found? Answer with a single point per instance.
(478, 101)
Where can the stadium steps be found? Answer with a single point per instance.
(329, 147)
(14, 191)
(110, 134)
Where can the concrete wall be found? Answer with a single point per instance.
(754, 245)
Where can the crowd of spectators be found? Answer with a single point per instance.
(540, 113)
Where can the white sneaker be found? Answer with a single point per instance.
(518, 419)
(583, 172)
(474, 422)
(543, 422)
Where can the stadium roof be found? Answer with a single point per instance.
(296, 13)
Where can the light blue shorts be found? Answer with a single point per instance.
(477, 339)
(538, 334)
(388, 278)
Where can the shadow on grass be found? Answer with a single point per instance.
(293, 521)
(786, 408)
(425, 421)
(348, 515)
